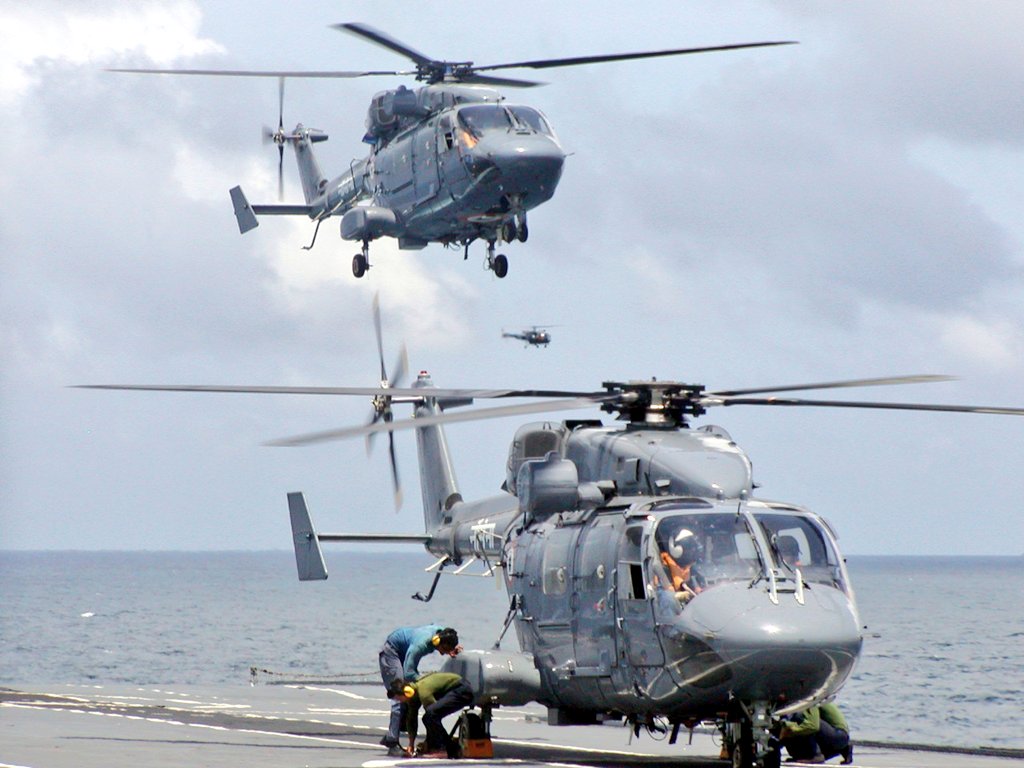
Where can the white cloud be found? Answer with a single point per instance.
(997, 344)
(206, 178)
(417, 294)
(36, 33)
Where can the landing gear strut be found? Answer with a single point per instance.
(498, 264)
(361, 261)
(749, 738)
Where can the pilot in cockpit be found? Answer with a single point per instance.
(679, 551)
(789, 551)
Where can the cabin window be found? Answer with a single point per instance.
(556, 561)
(445, 128)
(637, 589)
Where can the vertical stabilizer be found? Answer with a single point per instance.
(243, 211)
(308, 556)
(437, 476)
(313, 180)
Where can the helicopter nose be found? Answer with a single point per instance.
(527, 163)
(762, 650)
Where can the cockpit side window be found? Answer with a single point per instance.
(531, 117)
(480, 118)
(696, 552)
(799, 541)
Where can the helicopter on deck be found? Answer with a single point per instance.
(450, 162)
(645, 580)
(534, 336)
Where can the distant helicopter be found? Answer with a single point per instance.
(450, 162)
(534, 336)
(645, 581)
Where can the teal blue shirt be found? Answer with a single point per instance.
(413, 643)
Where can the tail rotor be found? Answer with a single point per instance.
(382, 403)
(278, 137)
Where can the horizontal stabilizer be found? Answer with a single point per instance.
(284, 210)
(308, 557)
(378, 538)
(243, 211)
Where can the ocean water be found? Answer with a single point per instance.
(943, 663)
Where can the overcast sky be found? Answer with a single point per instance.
(844, 208)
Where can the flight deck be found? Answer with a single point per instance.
(326, 726)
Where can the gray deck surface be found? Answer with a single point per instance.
(318, 726)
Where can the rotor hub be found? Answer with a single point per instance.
(654, 404)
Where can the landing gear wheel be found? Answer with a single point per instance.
(500, 265)
(743, 746)
(522, 231)
(509, 231)
(359, 265)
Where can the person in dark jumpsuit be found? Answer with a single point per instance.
(440, 694)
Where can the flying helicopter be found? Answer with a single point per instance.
(450, 162)
(645, 580)
(534, 336)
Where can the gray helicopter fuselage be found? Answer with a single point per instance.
(577, 535)
(457, 172)
(595, 610)
(449, 163)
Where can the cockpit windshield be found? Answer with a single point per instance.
(479, 118)
(799, 542)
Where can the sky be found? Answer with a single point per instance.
(843, 208)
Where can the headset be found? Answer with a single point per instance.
(408, 691)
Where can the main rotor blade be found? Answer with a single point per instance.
(404, 392)
(508, 82)
(426, 421)
(996, 410)
(576, 60)
(374, 35)
(262, 72)
(918, 379)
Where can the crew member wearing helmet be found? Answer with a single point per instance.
(399, 661)
(679, 552)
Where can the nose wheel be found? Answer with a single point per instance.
(497, 264)
(361, 261)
